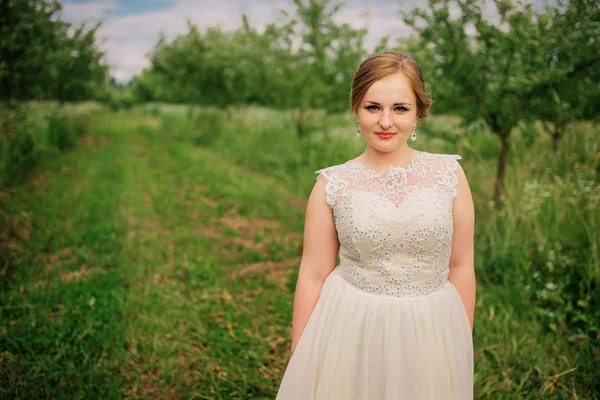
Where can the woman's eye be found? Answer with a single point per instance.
(373, 108)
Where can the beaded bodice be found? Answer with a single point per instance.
(394, 227)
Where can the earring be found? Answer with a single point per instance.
(413, 135)
(357, 129)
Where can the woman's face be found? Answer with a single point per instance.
(389, 105)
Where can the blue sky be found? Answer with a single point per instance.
(130, 28)
(130, 7)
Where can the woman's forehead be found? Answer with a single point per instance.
(394, 88)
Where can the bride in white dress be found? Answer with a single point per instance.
(394, 319)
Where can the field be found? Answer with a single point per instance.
(157, 257)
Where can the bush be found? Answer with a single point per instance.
(17, 144)
(60, 135)
(28, 131)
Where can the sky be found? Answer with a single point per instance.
(130, 28)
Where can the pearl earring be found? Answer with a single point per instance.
(413, 135)
(357, 128)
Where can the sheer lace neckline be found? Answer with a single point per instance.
(390, 169)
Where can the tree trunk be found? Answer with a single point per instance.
(559, 130)
(501, 168)
(299, 120)
(555, 132)
(555, 140)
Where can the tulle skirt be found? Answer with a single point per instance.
(363, 346)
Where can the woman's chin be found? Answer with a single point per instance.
(385, 147)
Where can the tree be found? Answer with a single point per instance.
(78, 71)
(29, 38)
(569, 94)
(39, 59)
(189, 68)
(246, 66)
(319, 72)
(217, 67)
(495, 72)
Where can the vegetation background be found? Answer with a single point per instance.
(151, 232)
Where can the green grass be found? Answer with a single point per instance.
(146, 274)
(62, 325)
(144, 263)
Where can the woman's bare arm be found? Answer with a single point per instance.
(462, 271)
(318, 258)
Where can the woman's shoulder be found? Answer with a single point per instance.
(445, 156)
(329, 171)
(447, 161)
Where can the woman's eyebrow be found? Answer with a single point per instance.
(396, 104)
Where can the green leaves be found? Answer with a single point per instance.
(521, 56)
(41, 59)
(302, 62)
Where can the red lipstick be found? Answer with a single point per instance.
(385, 134)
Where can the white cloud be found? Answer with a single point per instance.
(94, 11)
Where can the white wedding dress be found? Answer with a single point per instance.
(388, 324)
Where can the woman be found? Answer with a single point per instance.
(394, 319)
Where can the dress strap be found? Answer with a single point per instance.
(331, 186)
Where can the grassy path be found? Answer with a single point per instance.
(154, 274)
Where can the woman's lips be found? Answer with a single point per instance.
(385, 135)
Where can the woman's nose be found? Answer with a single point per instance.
(385, 120)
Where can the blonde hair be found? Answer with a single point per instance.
(383, 64)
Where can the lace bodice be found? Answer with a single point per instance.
(394, 227)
